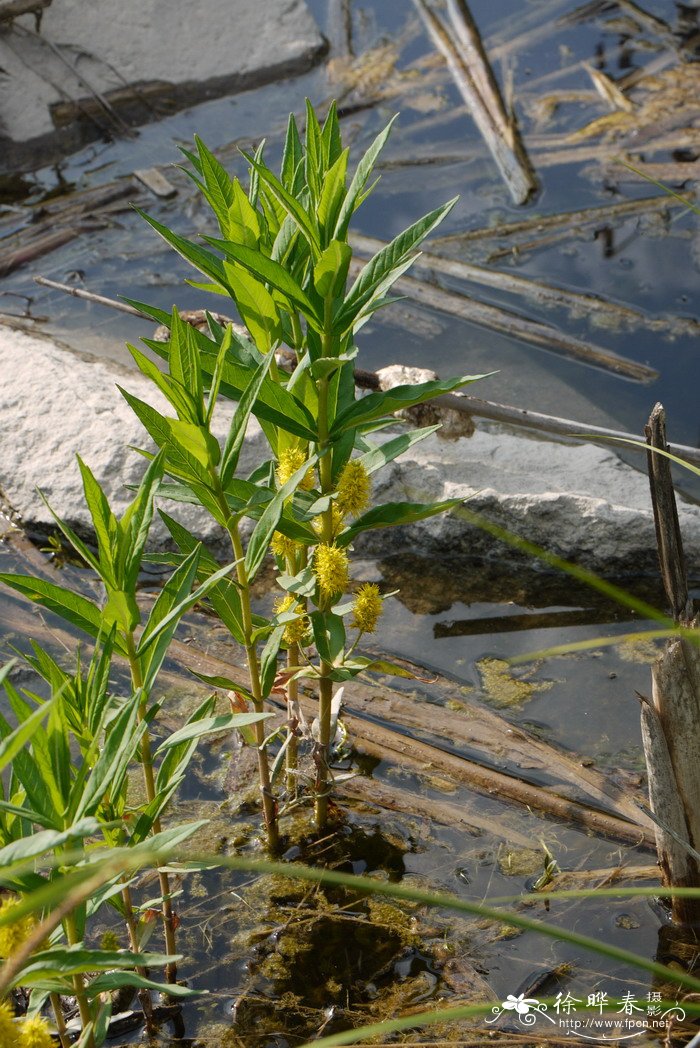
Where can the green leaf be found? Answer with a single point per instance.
(121, 608)
(268, 660)
(117, 979)
(313, 153)
(77, 543)
(256, 306)
(289, 203)
(332, 196)
(177, 612)
(224, 595)
(386, 260)
(119, 748)
(196, 440)
(179, 459)
(178, 397)
(376, 405)
(202, 260)
(71, 960)
(271, 272)
(184, 362)
(331, 270)
(291, 156)
(72, 607)
(243, 225)
(274, 404)
(218, 186)
(174, 764)
(330, 136)
(224, 682)
(239, 422)
(254, 191)
(267, 525)
(103, 521)
(380, 456)
(364, 170)
(45, 841)
(394, 513)
(15, 741)
(174, 594)
(136, 523)
(211, 726)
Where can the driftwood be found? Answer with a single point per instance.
(537, 291)
(535, 774)
(469, 65)
(671, 721)
(58, 223)
(567, 220)
(535, 332)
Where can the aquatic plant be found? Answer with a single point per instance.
(283, 257)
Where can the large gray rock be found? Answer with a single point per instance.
(579, 501)
(138, 56)
(55, 404)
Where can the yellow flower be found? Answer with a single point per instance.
(367, 608)
(35, 1033)
(293, 631)
(290, 461)
(282, 546)
(9, 1031)
(353, 489)
(13, 935)
(331, 568)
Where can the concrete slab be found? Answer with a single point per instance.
(93, 65)
(579, 501)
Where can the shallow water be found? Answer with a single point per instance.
(585, 702)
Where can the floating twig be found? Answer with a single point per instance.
(581, 303)
(469, 65)
(561, 220)
(535, 332)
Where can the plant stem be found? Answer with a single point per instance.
(57, 1010)
(143, 994)
(149, 781)
(268, 800)
(292, 754)
(325, 696)
(78, 981)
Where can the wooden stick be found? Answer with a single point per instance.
(455, 402)
(90, 296)
(565, 219)
(535, 290)
(536, 332)
(473, 75)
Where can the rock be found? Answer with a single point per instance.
(579, 501)
(56, 403)
(453, 424)
(141, 58)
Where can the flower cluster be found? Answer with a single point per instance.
(353, 489)
(331, 569)
(282, 546)
(367, 608)
(26, 1033)
(35, 1033)
(290, 460)
(293, 631)
(14, 935)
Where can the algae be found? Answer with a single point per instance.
(503, 688)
